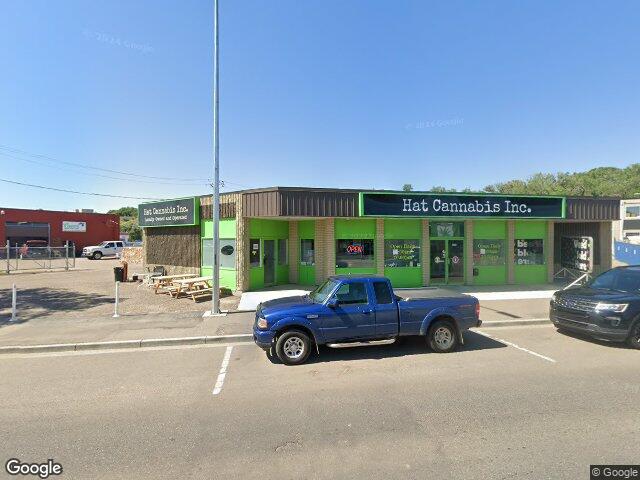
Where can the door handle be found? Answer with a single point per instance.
(367, 312)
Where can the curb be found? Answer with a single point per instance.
(514, 323)
(118, 344)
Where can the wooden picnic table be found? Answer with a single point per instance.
(194, 286)
(166, 280)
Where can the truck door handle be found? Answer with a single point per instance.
(367, 312)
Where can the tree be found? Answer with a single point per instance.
(407, 187)
(129, 222)
(125, 212)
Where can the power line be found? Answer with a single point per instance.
(137, 180)
(119, 172)
(75, 191)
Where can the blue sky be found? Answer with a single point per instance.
(365, 94)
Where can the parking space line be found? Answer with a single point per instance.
(548, 359)
(223, 370)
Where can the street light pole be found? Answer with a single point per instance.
(215, 294)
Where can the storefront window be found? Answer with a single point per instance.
(488, 253)
(354, 254)
(402, 253)
(227, 253)
(633, 212)
(307, 253)
(446, 229)
(282, 252)
(254, 252)
(529, 251)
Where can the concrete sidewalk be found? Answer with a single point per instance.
(61, 330)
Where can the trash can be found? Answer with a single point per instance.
(118, 273)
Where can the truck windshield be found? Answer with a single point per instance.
(320, 294)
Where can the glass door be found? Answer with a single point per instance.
(269, 262)
(447, 261)
(455, 267)
(438, 261)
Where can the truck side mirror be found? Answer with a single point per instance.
(332, 302)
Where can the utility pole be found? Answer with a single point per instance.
(215, 294)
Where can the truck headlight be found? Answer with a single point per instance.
(262, 323)
(611, 307)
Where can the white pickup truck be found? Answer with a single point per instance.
(105, 249)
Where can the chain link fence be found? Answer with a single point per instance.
(36, 258)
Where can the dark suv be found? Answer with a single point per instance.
(607, 307)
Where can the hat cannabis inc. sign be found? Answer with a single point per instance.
(459, 205)
(169, 213)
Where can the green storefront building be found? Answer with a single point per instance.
(294, 235)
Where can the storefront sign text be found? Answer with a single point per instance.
(179, 212)
(459, 205)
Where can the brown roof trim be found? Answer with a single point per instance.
(358, 190)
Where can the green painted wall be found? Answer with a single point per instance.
(307, 229)
(256, 278)
(355, 228)
(269, 230)
(399, 229)
(306, 275)
(227, 230)
(404, 277)
(227, 276)
(491, 230)
(259, 228)
(530, 274)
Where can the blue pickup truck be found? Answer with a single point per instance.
(363, 310)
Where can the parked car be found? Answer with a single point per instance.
(357, 311)
(606, 308)
(105, 249)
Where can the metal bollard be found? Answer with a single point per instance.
(14, 304)
(115, 313)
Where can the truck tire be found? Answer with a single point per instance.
(96, 255)
(293, 347)
(634, 337)
(442, 337)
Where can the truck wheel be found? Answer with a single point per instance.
(634, 338)
(293, 347)
(97, 255)
(442, 337)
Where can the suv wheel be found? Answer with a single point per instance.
(96, 255)
(442, 337)
(634, 338)
(293, 347)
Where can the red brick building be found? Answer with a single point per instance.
(82, 229)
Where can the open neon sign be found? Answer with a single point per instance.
(355, 249)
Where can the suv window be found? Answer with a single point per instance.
(118, 244)
(352, 293)
(383, 294)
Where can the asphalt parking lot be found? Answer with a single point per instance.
(515, 402)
